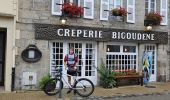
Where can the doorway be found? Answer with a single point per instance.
(2, 55)
(86, 52)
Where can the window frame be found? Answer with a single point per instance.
(112, 4)
(149, 6)
(123, 53)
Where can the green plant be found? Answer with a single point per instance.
(43, 81)
(107, 79)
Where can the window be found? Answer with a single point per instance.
(56, 57)
(77, 2)
(129, 49)
(150, 6)
(113, 48)
(115, 4)
(125, 59)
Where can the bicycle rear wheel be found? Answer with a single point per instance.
(52, 87)
(84, 87)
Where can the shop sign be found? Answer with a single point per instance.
(51, 32)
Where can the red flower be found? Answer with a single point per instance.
(119, 12)
(72, 9)
(155, 17)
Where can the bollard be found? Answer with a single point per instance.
(13, 79)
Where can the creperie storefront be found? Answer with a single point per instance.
(120, 49)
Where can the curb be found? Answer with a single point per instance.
(120, 96)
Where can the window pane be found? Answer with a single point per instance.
(75, 2)
(113, 48)
(129, 49)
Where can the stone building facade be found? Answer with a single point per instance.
(8, 18)
(37, 17)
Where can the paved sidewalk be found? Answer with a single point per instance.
(99, 93)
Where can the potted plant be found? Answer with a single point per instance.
(72, 10)
(118, 14)
(43, 81)
(119, 11)
(154, 18)
(107, 79)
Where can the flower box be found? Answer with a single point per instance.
(72, 10)
(117, 18)
(155, 18)
(119, 12)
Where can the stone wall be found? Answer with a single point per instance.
(39, 11)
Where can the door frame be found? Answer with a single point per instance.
(65, 45)
(4, 32)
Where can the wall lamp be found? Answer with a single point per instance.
(63, 19)
(148, 24)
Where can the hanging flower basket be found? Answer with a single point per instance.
(72, 10)
(119, 12)
(156, 18)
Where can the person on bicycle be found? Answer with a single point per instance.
(70, 63)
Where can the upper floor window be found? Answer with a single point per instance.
(150, 6)
(88, 13)
(76, 2)
(115, 4)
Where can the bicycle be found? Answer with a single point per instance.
(78, 87)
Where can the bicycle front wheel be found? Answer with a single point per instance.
(52, 87)
(84, 87)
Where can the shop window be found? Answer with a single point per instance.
(113, 48)
(129, 49)
(122, 60)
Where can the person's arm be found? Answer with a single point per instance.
(76, 62)
(65, 62)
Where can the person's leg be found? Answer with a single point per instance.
(69, 80)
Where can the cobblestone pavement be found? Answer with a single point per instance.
(99, 93)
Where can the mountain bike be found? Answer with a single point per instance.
(82, 86)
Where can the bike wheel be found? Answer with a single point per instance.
(52, 87)
(84, 87)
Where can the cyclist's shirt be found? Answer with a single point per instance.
(71, 60)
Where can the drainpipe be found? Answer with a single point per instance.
(13, 79)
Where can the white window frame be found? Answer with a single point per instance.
(52, 8)
(113, 2)
(131, 21)
(149, 6)
(122, 53)
(166, 12)
(89, 17)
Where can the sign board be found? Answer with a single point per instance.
(51, 32)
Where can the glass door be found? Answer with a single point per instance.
(86, 53)
(152, 48)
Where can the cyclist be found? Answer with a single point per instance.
(70, 63)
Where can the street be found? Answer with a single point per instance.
(148, 97)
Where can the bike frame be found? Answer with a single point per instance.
(75, 80)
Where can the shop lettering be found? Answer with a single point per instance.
(99, 34)
(132, 36)
(79, 33)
